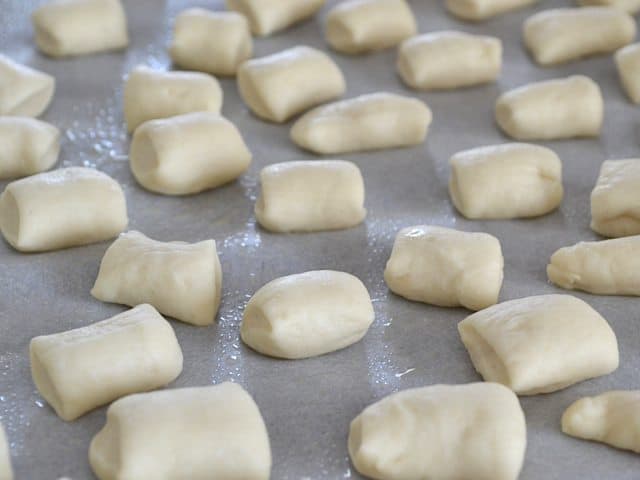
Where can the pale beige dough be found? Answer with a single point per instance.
(24, 91)
(29, 146)
(270, 16)
(628, 65)
(6, 472)
(629, 6)
(479, 10)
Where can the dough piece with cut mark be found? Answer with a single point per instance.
(29, 146)
(24, 91)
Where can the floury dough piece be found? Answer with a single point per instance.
(82, 369)
(270, 16)
(29, 146)
(478, 10)
(512, 180)
(62, 208)
(307, 314)
(181, 280)
(6, 472)
(188, 433)
(441, 432)
(540, 344)
(24, 91)
(308, 196)
(628, 65)
(449, 59)
(281, 85)
(552, 109)
(369, 122)
(629, 6)
(187, 153)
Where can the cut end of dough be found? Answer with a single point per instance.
(45, 385)
(484, 358)
(143, 159)
(10, 219)
(504, 118)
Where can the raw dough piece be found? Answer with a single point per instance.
(6, 472)
(270, 16)
(368, 122)
(279, 86)
(446, 267)
(79, 27)
(62, 208)
(181, 280)
(187, 153)
(28, 146)
(629, 6)
(307, 314)
(615, 200)
(24, 91)
(212, 42)
(609, 267)
(612, 418)
(441, 432)
(628, 64)
(309, 196)
(449, 59)
(540, 344)
(565, 34)
(478, 10)
(81, 369)
(151, 94)
(552, 109)
(187, 433)
(512, 180)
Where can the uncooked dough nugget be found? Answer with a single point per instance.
(512, 180)
(565, 34)
(6, 472)
(212, 42)
(368, 122)
(270, 16)
(540, 344)
(449, 59)
(628, 65)
(24, 91)
(478, 10)
(552, 109)
(151, 94)
(629, 6)
(187, 433)
(182, 280)
(615, 200)
(279, 86)
(62, 208)
(81, 369)
(441, 432)
(79, 27)
(28, 146)
(309, 196)
(446, 267)
(307, 314)
(187, 153)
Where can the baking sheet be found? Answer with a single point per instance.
(307, 404)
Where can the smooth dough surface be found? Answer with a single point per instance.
(478, 10)
(628, 65)
(369, 122)
(270, 16)
(281, 85)
(6, 472)
(24, 91)
(182, 280)
(540, 344)
(629, 6)
(446, 267)
(29, 146)
(187, 153)
(512, 180)
(552, 109)
(62, 208)
(188, 433)
(307, 314)
(615, 200)
(441, 432)
(307, 196)
(360, 26)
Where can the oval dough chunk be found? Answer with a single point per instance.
(512, 180)
(478, 10)
(212, 42)
(307, 314)
(279, 86)
(6, 472)
(446, 267)
(629, 6)
(441, 432)
(151, 94)
(449, 59)
(24, 91)
(552, 109)
(29, 146)
(270, 16)
(181, 280)
(81, 369)
(368, 122)
(79, 27)
(187, 153)
(540, 344)
(628, 65)
(309, 196)
(62, 208)
(187, 433)
(615, 200)
(565, 34)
